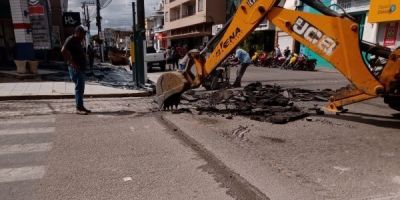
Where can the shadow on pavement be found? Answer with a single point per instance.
(115, 113)
(376, 120)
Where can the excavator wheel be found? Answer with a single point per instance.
(169, 88)
(393, 102)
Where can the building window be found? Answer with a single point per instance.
(189, 8)
(201, 5)
(166, 16)
(175, 13)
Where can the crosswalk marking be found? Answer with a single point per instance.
(26, 131)
(25, 148)
(24, 127)
(28, 121)
(21, 174)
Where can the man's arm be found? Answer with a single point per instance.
(67, 54)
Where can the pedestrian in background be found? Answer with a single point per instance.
(169, 58)
(183, 62)
(243, 59)
(74, 54)
(287, 52)
(278, 52)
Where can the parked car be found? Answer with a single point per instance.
(154, 58)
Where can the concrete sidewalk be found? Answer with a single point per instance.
(57, 90)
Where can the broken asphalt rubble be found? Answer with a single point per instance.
(266, 103)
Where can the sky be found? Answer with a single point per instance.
(117, 15)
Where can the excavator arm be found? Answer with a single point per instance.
(333, 36)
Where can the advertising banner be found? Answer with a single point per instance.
(40, 24)
(391, 34)
(384, 11)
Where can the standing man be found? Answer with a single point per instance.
(243, 58)
(287, 52)
(74, 54)
(278, 52)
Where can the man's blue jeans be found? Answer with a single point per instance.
(78, 78)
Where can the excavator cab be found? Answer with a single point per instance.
(334, 36)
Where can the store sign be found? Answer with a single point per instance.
(384, 11)
(353, 5)
(71, 19)
(216, 28)
(40, 24)
(391, 34)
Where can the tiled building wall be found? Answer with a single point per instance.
(22, 29)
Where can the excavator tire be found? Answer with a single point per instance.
(169, 88)
(394, 101)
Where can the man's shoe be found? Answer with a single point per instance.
(86, 110)
(236, 85)
(81, 112)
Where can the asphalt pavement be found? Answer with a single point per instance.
(127, 149)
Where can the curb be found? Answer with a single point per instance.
(70, 96)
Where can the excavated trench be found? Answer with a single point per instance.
(266, 103)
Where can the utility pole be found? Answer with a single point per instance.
(98, 23)
(139, 36)
(133, 50)
(88, 18)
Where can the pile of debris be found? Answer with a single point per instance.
(267, 103)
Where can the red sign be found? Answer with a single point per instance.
(391, 34)
(36, 10)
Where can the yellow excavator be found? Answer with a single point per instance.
(334, 36)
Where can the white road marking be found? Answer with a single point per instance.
(342, 169)
(28, 121)
(27, 131)
(21, 174)
(25, 148)
(127, 179)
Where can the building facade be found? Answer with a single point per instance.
(19, 37)
(189, 22)
(155, 35)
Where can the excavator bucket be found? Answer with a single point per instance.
(169, 88)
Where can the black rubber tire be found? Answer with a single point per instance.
(393, 102)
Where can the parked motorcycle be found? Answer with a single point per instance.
(303, 63)
(299, 62)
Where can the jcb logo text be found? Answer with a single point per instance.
(325, 43)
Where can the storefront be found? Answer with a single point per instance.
(386, 13)
(7, 38)
(30, 30)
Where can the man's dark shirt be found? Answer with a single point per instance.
(74, 46)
